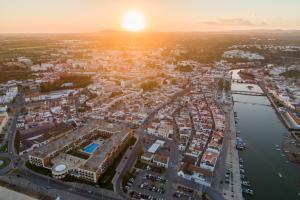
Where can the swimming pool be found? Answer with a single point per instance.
(91, 148)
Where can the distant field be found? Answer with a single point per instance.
(291, 74)
(79, 81)
(14, 75)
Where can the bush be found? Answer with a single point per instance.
(40, 170)
(17, 142)
(4, 148)
(5, 161)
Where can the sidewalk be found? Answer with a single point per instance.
(234, 191)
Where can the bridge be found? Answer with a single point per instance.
(248, 93)
(243, 81)
(260, 104)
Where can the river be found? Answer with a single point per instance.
(262, 130)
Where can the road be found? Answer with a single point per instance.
(12, 154)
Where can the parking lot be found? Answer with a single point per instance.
(147, 185)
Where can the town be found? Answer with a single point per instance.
(136, 124)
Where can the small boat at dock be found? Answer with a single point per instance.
(247, 191)
(246, 183)
(280, 175)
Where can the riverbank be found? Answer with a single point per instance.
(291, 148)
(281, 116)
(291, 143)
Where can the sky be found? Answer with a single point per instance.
(63, 16)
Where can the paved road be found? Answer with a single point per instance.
(17, 106)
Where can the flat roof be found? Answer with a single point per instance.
(68, 139)
(153, 148)
(105, 149)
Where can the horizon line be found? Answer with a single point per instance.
(175, 31)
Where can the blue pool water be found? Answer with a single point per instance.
(90, 148)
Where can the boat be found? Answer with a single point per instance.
(278, 149)
(240, 144)
(242, 177)
(246, 183)
(247, 191)
(235, 114)
(280, 175)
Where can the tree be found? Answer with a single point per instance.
(17, 141)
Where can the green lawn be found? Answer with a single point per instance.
(106, 179)
(4, 148)
(6, 162)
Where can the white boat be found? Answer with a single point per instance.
(280, 175)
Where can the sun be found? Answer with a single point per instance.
(133, 21)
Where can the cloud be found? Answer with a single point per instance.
(235, 22)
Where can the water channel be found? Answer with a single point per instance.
(262, 130)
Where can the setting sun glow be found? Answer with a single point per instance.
(133, 21)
